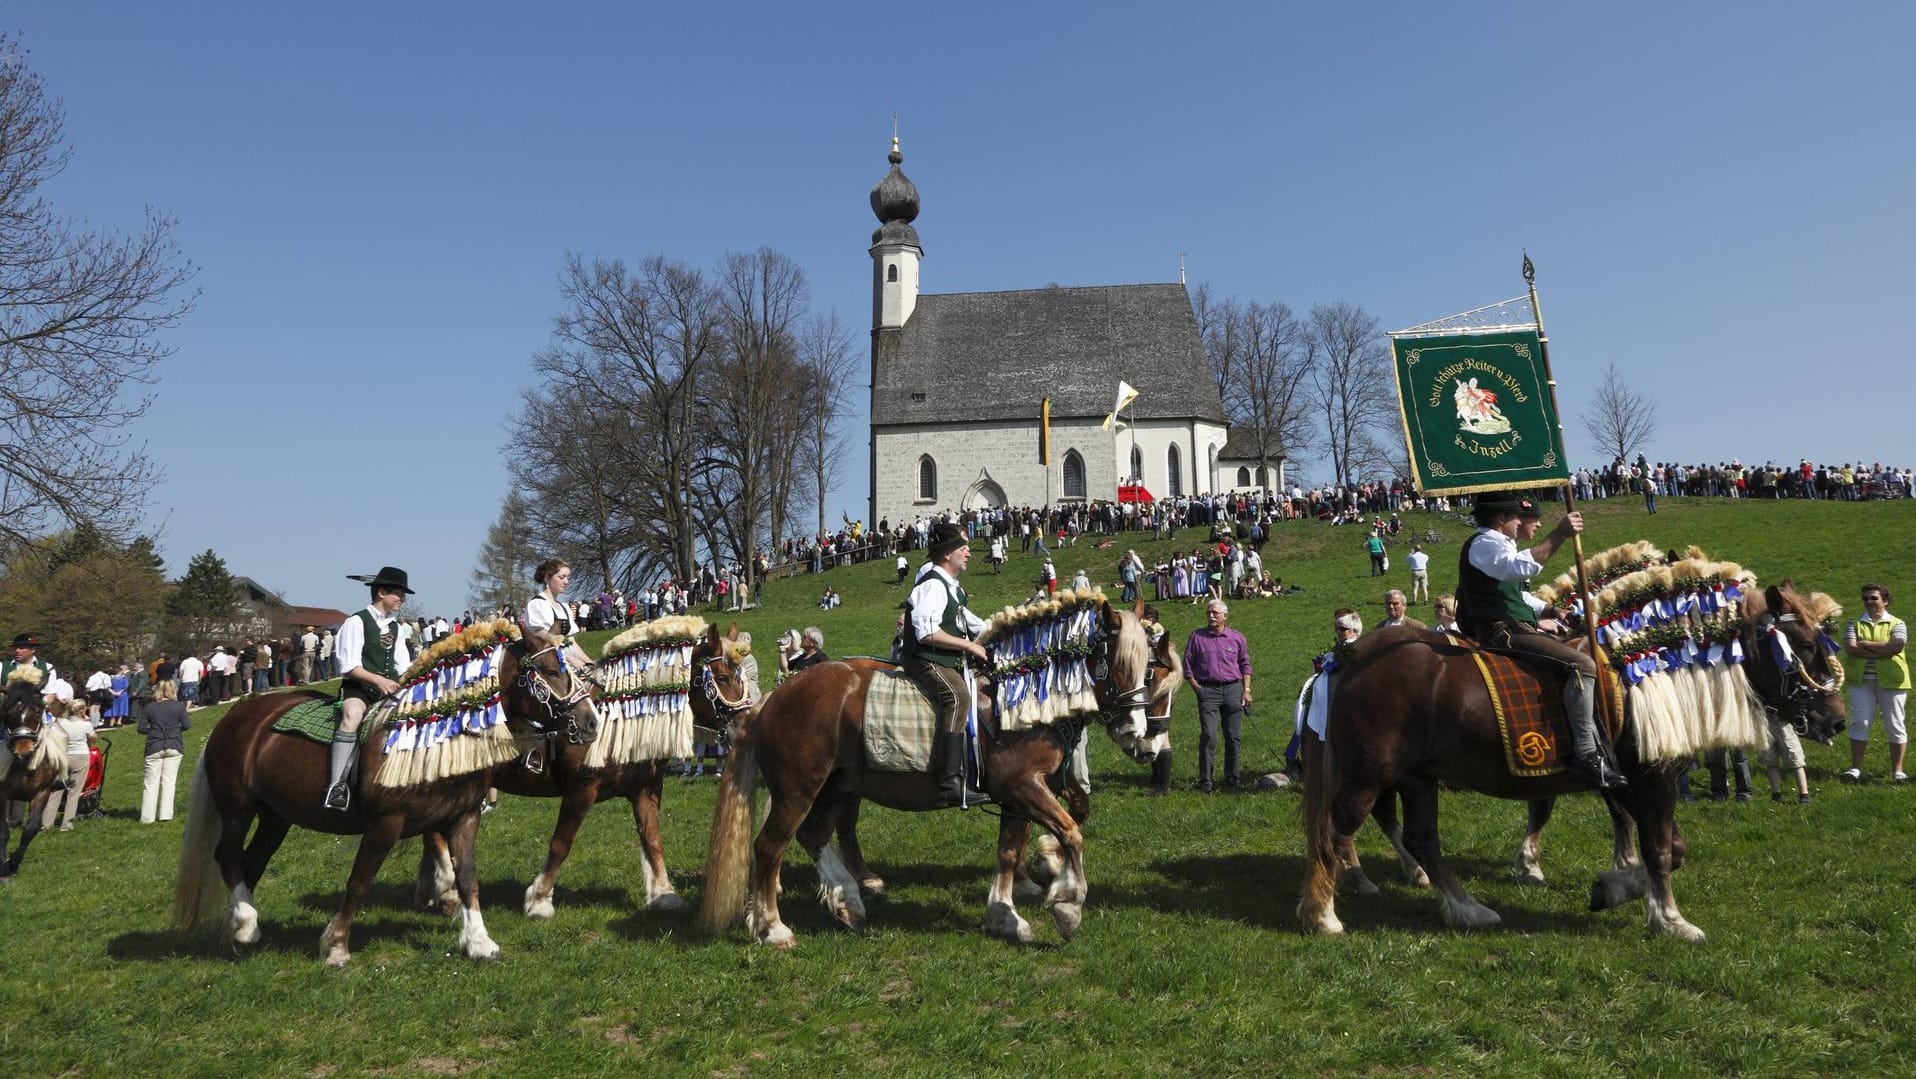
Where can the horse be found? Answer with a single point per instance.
(805, 743)
(1411, 713)
(247, 772)
(717, 698)
(33, 762)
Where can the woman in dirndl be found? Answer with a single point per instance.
(550, 617)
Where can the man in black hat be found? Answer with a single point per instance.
(938, 640)
(371, 651)
(26, 654)
(1493, 607)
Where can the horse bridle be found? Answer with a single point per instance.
(1799, 688)
(1121, 700)
(534, 681)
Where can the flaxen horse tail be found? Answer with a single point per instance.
(728, 856)
(1321, 861)
(199, 892)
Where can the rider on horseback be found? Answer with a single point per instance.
(1494, 608)
(371, 652)
(939, 635)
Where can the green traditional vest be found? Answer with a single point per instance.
(376, 655)
(6, 669)
(1483, 599)
(1892, 672)
(944, 657)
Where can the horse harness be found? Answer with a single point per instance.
(557, 705)
(723, 711)
(1800, 689)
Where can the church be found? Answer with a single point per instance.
(958, 381)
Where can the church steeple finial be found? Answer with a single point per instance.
(895, 199)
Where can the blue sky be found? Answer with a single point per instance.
(379, 199)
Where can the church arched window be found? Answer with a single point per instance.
(927, 479)
(1243, 477)
(1137, 465)
(1174, 465)
(1073, 474)
(891, 272)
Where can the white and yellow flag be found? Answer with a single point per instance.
(1127, 393)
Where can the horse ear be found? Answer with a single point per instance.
(1137, 607)
(732, 633)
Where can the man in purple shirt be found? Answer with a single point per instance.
(1217, 662)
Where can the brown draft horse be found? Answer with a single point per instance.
(248, 772)
(805, 742)
(34, 760)
(718, 696)
(1411, 713)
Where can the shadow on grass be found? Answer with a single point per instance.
(1261, 891)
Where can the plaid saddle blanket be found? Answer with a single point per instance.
(1528, 703)
(899, 724)
(313, 719)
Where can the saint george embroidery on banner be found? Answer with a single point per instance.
(1477, 411)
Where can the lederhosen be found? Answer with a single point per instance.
(375, 655)
(939, 672)
(1495, 614)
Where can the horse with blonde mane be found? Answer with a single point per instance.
(32, 763)
(566, 770)
(805, 743)
(249, 773)
(1411, 714)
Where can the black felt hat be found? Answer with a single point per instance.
(26, 640)
(1505, 502)
(387, 577)
(945, 538)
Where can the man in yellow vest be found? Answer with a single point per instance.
(1877, 670)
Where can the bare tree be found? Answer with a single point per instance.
(826, 351)
(1350, 386)
(1620, 419)
(625, 366)
(81, 313)
(502, 579)
(757, 402)
(1262, 367)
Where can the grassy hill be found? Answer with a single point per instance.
(1188, 959)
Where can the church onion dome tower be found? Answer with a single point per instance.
(895, 201)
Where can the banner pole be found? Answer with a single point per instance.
(1569, 491)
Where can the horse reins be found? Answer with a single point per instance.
(534, 681)
(1798, 687)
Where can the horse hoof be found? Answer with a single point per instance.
(484, 953)
(1067, 916)
(1531, 876)
(1026, 890)
(337, 958)
(872, 886)
(447, 906)
(1324, 924)
(1421, 879)
(1358, 882)
(539, 908)
(779, 936)
(667, 901)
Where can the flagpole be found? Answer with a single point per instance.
(1569, 489)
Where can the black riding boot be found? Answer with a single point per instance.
(948, 768)
(1161, 772)
(1587, 750)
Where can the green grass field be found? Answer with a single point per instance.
(1188, 960)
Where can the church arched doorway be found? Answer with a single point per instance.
(984, 495)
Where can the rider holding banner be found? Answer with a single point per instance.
(371, 653)
(1494, 608)
(939, 639)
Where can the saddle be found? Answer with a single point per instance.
(900, 723)
(1528, 703)
(316, 720)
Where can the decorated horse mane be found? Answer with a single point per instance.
(452, 690)
(647, 675)
(1041, 656)
(1673, 627)
(27, 673)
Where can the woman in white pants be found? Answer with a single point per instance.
(78, 729)
(162, 724)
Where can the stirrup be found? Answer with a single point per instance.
(1599, 773)
(340, 797)
(536, 759)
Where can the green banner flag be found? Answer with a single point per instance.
(1477, 412)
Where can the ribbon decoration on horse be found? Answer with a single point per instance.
(447, 718)
(645, 705)
(1041, 658)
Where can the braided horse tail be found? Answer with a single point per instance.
(1322, 863)
(728, 857)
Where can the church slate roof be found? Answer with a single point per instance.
(990, 356)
